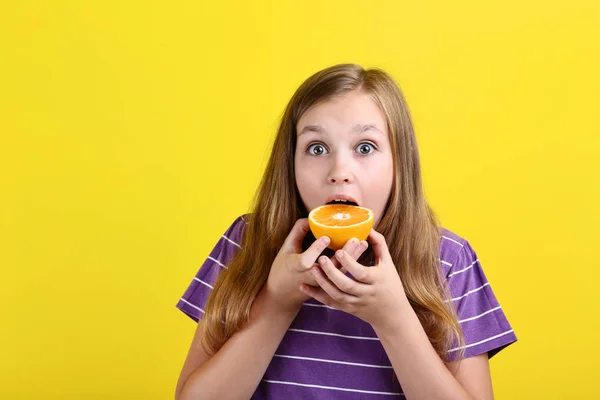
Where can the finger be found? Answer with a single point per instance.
(359, 272)
(361, 247)
(321, 296)
(382, 253)
(339, 279)
(356, 251)
(293, 241)
(350, 247)
(333, 291)
(309, 257)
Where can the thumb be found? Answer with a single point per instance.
(309, 257)
(382, 253)
(293, 241)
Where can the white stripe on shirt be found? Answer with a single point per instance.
(331, 388)
(480, 315)
(217, 261)
(195, 306)
(464, 269)
(452, 240)
(471, 291)
(333, 361)
(319, 305)
(482, 341)
(229, 240)
(202, 282)
(333, 334)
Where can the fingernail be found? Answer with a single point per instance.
(313, 271)
(325, 240)
(322, 260)
(363, 245)
(339, 254)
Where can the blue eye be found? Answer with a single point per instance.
(365, 148)
(316, 149)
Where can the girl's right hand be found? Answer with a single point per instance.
(291, 267)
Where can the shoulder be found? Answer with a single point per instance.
(453, 248)
(193, 301)
(236, 230)
(230, 241)
(483, 322)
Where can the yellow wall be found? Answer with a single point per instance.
(133, 133)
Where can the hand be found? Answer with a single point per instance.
(291, 267)
(353, 247)
(374, 295)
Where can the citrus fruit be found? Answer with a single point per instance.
(340, 223)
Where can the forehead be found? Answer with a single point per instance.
(347, 112)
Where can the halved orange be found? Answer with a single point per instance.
(340, 223)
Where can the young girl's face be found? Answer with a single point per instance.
(343, 152)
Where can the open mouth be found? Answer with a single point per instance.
(341, 201)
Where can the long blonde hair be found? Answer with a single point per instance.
(408, 223)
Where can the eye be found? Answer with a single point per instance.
(365, 148)
(316, 149)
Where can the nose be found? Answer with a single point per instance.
(341, 171)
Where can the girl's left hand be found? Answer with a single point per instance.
(374, 295)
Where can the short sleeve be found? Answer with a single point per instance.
(483, 322)
(194, 299)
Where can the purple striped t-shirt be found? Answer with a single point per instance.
(327, 353)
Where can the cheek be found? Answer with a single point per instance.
(381, 170)
(308, 170)
(380, 187)
(303, 179)
(380, 182)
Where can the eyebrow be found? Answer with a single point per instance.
(358, 128)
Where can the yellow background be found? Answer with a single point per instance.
(133, 133)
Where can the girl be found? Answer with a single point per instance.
(407, 314)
